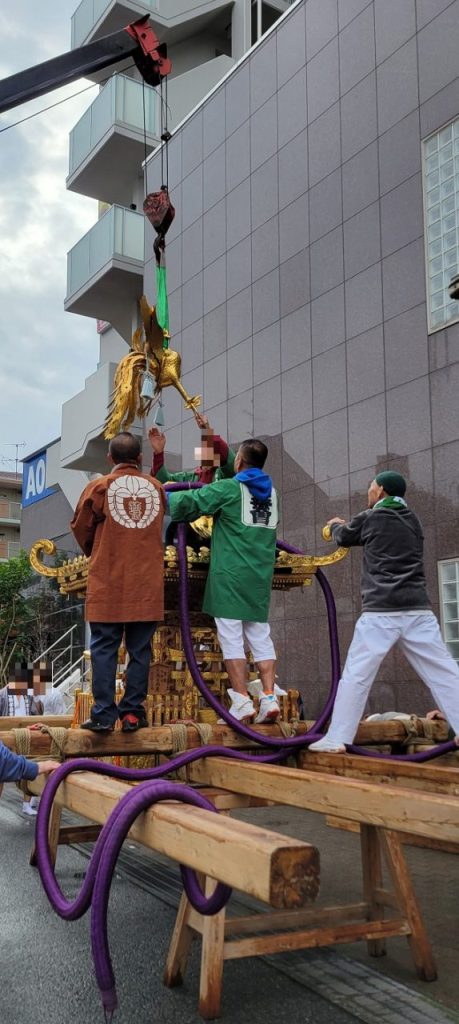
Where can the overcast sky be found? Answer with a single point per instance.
(45, 353)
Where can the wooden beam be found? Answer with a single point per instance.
(40, 743)
(431, 778)
(406, 838)
(399, 809)
(406, 896)
(280, 871)
(8, 722)
(372, 931)
(158, 739)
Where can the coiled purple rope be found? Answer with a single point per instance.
(95, 890)
(131, 805)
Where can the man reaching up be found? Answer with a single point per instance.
(219, 467)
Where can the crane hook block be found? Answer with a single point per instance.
(151, 57)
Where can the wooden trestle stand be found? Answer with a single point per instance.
(387, 803)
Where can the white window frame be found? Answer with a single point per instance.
(440, 564)
(433, 328)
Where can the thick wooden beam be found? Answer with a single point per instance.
(399, 809)
(406, 838)
(280, 871)
(8, 722)
(432, 778)
(158, 739)
(40, 743)
(393, 731)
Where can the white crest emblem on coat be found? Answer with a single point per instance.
(133, 501)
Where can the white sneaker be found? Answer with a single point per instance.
(327, 746)
(28, 809)
(241, 706)
(269, 709)
(34, 802)
(255, 688)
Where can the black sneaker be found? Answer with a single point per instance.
(130, 723)
(94, 726)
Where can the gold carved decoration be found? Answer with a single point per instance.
(71, 576)
(340, 552)
(289, 570)
(147, 355)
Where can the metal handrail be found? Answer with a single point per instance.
(56, 642)
(64, 668)
(72, 669)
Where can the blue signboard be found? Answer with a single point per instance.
(34, 480)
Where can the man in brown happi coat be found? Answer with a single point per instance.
(118, 522)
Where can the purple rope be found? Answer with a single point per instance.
(244, 730)
(131, 805)
(96, 886)
(186, 485)
(314, 733)
(72, 910)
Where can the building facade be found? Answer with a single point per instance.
(49, 496)
(10, 515)
(317, 196)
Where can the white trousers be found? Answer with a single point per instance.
(231, 636)
(420, 640)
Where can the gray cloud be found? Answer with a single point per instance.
(45, 353)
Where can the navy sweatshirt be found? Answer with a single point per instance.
(392, 566)
(14, 766)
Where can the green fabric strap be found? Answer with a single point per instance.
(391, 502)
(162, 305)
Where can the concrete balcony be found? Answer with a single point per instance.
(105, 270)
(10, 512)
(107, 145)
(171, 18)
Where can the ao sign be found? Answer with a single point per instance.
(34, 480)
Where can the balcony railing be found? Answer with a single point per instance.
(121, 102)
(89, 13)
(9, 549)
(118, 234)
(10, 510)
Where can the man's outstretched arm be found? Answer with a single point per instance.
(348, 535)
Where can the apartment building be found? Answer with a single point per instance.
(318, 198)
(10, 515)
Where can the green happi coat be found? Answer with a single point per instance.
(192, 475)
(243, 548)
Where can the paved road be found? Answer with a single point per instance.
(46, 974)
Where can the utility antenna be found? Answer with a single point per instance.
(17, 445)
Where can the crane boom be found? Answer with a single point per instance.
(137, 41)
